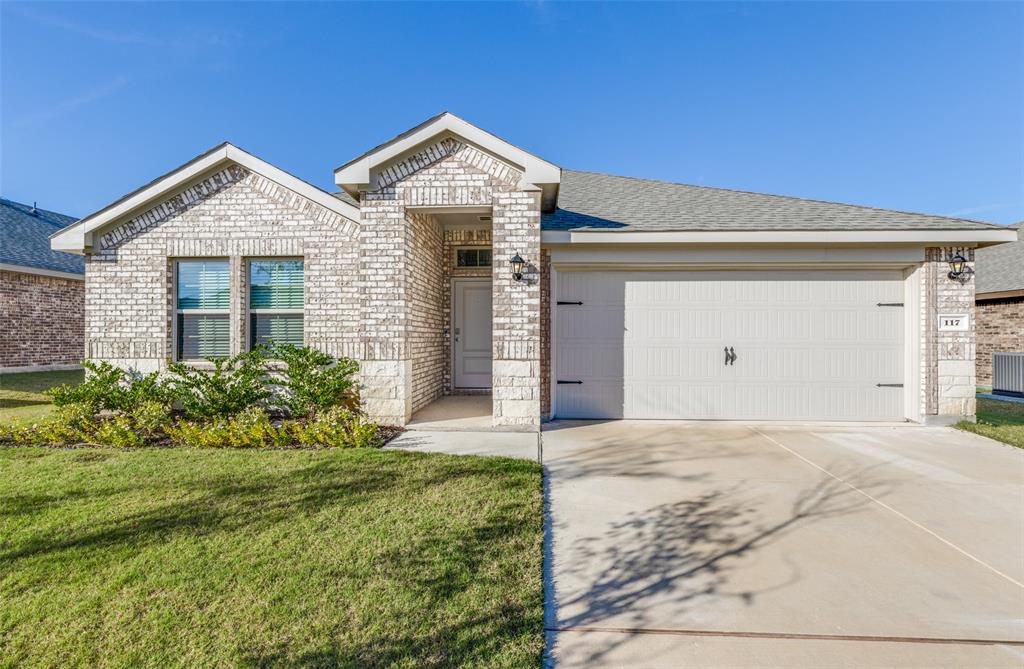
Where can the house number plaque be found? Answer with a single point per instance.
(954, 322)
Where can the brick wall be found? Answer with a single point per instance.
(947, 358)
(451, 174)
(234, 214)
(41, 320)
(1000, 329)
(427, 316)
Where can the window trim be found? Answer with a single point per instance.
(249, 311)
(175, 312)
(477, 249)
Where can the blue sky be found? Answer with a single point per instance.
(916, 107)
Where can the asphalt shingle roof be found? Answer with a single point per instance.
(25, 238)
(1000, 268)
(587, 200)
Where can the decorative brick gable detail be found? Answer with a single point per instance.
(41, 320)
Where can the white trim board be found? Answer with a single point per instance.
(980, 237)
(78, 237)
(22, 269)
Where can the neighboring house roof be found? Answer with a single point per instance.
(1001, 268)
(591, 201)
(26, 231)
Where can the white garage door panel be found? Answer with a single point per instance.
(809, 345)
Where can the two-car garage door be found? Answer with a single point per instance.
(817, 345)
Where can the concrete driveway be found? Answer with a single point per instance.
(732, 545)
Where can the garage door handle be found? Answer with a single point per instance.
(561, 382)
(578, 304)
(889, 385)
(730, 355)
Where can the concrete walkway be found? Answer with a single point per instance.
(730, 545)
(522, 445)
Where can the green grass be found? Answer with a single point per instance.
(1002, 421)
(209, 558)
(21, 395)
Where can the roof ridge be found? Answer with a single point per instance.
(786, 197)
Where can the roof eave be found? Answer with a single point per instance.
(969, 237)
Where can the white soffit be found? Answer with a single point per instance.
(355, 175)
(928, 237)
(78, 237)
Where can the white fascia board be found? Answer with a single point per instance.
(535, 170)
(23, 269)
(926, 237)
(78, 237)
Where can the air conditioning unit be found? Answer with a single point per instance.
(1008, 374)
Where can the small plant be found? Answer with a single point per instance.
(314, 381)
(250, 429)
(118, 431)
(233, 385)
(69, 424)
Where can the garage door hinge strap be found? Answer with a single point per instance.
(579, 304)
(889, 385)
(890, 304)
(561, 382)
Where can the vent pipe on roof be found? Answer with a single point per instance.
(33, 210)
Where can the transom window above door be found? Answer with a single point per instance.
(473, 257)
(276, 302)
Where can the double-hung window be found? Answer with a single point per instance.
(275, 302)
(202, 299)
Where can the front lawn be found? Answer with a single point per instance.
(21, 394)
(214, 558)
(1002, 421)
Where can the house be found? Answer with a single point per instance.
(633, 298)
(999, 302)
(42, 292)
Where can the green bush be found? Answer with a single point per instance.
(69, 424)
(233, 385)
(336, 428)
(110, 388)
(314, 381)
(119, 431)
(249, 429)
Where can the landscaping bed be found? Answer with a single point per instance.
(280, 397)
(1002, 421)
(156, 557)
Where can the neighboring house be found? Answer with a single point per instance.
(999, 301)
(42, 292)
(636, 299)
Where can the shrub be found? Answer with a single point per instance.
(110, 388)
(337, 428)
(118, 431)
(69, 424)
(249, 429)
(314, 381)
(233, 385)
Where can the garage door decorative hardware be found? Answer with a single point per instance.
(890, 304)
(562, 383)
(792, 635)
(578, 304)
(889, 385)
(730, 355)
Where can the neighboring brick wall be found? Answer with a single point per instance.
(234, 214)
(1000, 329)
(947, 358)
(41, 320)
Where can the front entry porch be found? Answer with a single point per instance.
(454, 413)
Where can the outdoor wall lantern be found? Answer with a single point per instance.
(517, 267)
(958, 269)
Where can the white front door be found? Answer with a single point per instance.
(814, 345)
(472, 333)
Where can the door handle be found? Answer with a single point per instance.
(726, 356)
(730, 355)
